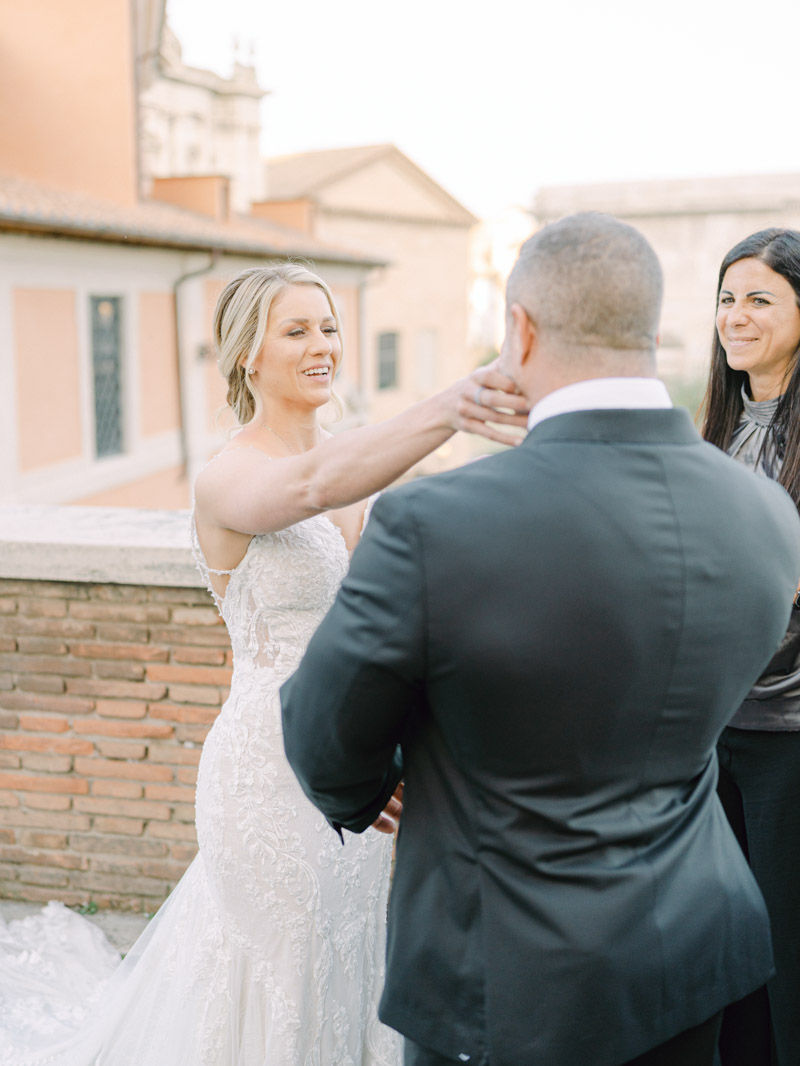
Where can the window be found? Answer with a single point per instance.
(387, 360)
(106, 314)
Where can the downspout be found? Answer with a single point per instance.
(182, 400)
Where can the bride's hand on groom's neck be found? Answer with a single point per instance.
(488, 399)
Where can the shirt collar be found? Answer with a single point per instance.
(601, 393)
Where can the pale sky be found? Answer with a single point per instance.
(519, 94)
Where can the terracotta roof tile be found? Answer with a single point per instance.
(27, 206)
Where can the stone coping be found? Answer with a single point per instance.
(116, 545)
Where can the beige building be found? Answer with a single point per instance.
(691, 224)
(107, 391)
(416, 312)
(194, 122)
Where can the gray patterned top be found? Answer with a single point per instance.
(773, 704)
(749, 436)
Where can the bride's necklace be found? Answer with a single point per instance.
(284, 442)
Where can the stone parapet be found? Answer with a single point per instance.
(113, 666)
(118, 545)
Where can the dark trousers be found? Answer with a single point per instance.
(759, 786)
(694, 1047)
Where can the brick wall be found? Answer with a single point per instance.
(107, 692)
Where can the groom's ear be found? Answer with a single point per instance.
(525, 335)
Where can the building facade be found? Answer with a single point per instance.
(194, 122)
(109, 386)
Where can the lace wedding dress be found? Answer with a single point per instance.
(269, 951)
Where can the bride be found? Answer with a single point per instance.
(269, 951)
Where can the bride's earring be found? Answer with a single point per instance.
(251, 370)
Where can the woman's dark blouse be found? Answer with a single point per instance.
(773, 704)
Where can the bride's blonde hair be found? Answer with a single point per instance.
(240, 322)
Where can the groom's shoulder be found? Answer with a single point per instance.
(473, 482)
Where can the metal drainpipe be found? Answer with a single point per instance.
(179, 362)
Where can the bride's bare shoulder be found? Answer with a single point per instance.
(221, 467)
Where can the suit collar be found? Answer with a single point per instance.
(630, 425)
(601, 394)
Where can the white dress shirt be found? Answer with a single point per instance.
(601, 393)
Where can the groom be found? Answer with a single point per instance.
(546, 645)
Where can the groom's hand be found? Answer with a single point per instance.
(387, 821)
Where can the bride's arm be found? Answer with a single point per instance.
(251, 494)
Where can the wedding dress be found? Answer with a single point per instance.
(269, 951)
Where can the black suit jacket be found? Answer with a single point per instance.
(547, 644)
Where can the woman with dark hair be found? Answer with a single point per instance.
(753, 413)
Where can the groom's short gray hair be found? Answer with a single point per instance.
(592, 280)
